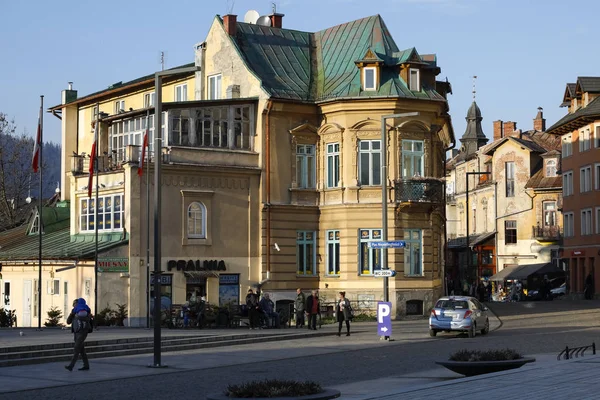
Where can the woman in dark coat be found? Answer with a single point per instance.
(343, 313)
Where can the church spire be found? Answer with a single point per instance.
(473, 137)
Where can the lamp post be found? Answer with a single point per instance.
(158, 77)
(467, 206)
(384, 195)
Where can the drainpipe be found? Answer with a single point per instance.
(446, 150)
(268, 182)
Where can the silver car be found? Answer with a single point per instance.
(459, 313)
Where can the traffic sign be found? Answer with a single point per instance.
(384, 318)
(382, 273)
(390, 244)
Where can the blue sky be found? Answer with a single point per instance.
(523, 51)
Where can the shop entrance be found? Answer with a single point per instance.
(195, 285)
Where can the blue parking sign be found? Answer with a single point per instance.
(384, 318)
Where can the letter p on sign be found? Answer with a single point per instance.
(384, 318)
(383, 310)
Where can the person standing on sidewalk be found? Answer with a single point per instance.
(252, 303)
(312, 309)
(343, 312)
(80, 326)
(299, 305)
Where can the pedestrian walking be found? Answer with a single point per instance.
(299, 305)
(589, 286)
(252, 303)
(80, 320)
(312, 309)
(343, 313)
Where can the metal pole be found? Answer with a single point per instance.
(148, 224)
(41, 195)
(157, 214)
(95, 161)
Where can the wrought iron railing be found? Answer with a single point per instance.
(80, 163)
(419, 190)
(546, 232)
(569, 353)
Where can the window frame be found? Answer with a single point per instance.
(509, 177)
(119, 105)
(567, 146)
(587, 223)
(182, 96)
(413, 155)
(215, 86)
(411, 246)
(585, 179)
(307, 255)
(551, 168)
(370, 153)
(597, 176)
(369, 69)
(551, 211)
(306, 165)
(332, 246)
(365, 236)
(203, 224)
(333, 162)
(149, 99)
(119, 139)
(569, 224)
(418, 79)
(90, 213)
(52, 285)
(508, 239)
(567, 183)
(584, 140)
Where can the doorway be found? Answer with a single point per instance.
(6, 299)
(27, 290)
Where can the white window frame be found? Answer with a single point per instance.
(371, 151)
(413, 249)
(549, 212)
(568, 183)
(584, 140)
(551, 168)
(180, 92)
(567, 146)
(597, 220)
(410, 156)
(196, 221)
(509, 178)
(333, 165)
(306, 252)
(373, 256)
(129, 132)
(35, 224)
(515, 228)
(413, 85)
(374, 71)
(597, 136)
(53, 287)
(215, 86)
(587, 227)
(119, 106)
(333, 252)
(306, 175)
(149, 99)
(585, 179)
(597, 176)
(87, 213)
(569, 224)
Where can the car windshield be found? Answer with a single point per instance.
(452, 304)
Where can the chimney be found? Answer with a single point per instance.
(498, 130)
(539, 123)
(68, 95)
(229, 21)
(509, 128)
(276, 20)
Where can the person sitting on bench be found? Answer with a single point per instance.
(268, 308)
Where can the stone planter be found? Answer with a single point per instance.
(325, 395)
(472, 368)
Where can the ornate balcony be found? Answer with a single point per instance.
(421, 190)
(80, 163)
(547, 233)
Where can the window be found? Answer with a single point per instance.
(370, 162)
(333, 252)
(568, 183)
(119, 106)
(414, 81)
(549, 208)
(179, 127)
(487, 257)
(597, 176)
(181, 92)
(569, 224)
(196, 221)
(586, 222)
(567, 146)
(413, 262)
(87, 288)
(412, 158)
(53, 286)
(333, 165)
(214, 87)
(598, 220)
(305, 166)
(584, 140)
(585, 179)
(129, 132)
(306, 256)
(510, 179)
(370, 259)
(35, 226)
(149, 99)
(110, 214)
(369, 79)
(597, 137)
(550, 168)
(510, 232)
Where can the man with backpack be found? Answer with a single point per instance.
(81, 325)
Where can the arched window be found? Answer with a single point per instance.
(550, 168)
(196, 221)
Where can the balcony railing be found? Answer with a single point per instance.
(547, 233)
(80, 163)
(425, 190)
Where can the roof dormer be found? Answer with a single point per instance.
(411, 65)
(370, 71)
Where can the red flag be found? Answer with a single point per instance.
(141, 169)
(35, 162)
(91, 178)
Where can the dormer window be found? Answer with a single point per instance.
(551, 168)
(369, 78)
(414, 80)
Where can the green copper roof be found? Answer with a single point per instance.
(320, 66)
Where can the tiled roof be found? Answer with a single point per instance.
(474, 239)
(539, 142)
(540, 181)
(590, 84)
(320, 66)
(577, 119)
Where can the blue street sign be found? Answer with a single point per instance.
(391, 244)
(384, 318)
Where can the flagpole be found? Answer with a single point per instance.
(95, 161)
(148, 222)
(41, 195)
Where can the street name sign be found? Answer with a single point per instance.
(382, 273)
(391, 244)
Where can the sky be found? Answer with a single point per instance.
(523, 52)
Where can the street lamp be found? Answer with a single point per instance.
(467, 206)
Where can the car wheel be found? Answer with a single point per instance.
(486, 328)
(471, 331)
(432, 332)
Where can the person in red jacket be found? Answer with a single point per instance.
(312, 309)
